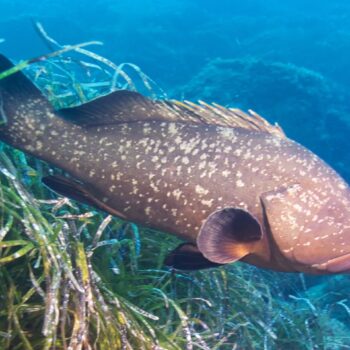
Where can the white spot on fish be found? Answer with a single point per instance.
(207, 203)
(201, 190)
(177, 193)
(38, 145)
(172, 129)
(148, 211)
(240, 183)
(202, 165)
(185, 160)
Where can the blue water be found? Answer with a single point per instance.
(287, 60)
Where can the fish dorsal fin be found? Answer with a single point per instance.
(230, 117)
(125, 106)
(121, 106)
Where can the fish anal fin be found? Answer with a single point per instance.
(228, 235)
(77, 191)
(188, 257)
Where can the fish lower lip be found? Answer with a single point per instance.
(339, 264)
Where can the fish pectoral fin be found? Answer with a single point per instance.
(188, 257)
(228, 235)
(77, 191)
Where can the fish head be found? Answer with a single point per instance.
(303, 228)
(309, 226)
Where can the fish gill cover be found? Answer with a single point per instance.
(75, 278)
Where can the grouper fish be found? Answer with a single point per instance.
(228, 183)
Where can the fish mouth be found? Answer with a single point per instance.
(341, 264)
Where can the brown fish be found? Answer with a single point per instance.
(230, 184)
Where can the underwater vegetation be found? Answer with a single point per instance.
(75, 278)
(72, 278)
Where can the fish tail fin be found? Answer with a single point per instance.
(20, 102)
(16, 85)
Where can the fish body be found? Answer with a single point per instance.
(234, 190)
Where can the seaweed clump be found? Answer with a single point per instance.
(75, 278)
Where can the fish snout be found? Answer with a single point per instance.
(312, 234)
(331, 236)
